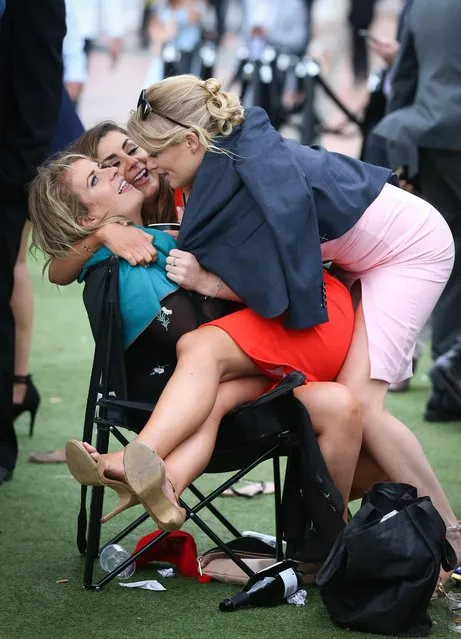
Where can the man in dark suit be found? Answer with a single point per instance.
(422, 134)
(31, 35)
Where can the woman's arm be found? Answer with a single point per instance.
(128, 242)
(183, 268)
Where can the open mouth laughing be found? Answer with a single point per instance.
(140, 178)
(124, 186)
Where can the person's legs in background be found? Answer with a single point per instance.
(220, 7)
(144, 38)
(440, 183)
(360, 17)
(13, 213)
(25, 395)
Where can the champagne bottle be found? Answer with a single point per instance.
(268, 587)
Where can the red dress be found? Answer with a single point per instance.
(318, 352)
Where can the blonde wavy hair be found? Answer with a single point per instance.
(201, 106)
(55, 211)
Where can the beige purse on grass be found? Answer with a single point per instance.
(254, 553)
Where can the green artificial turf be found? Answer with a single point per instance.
(38, 518)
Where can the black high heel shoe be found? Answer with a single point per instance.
(31, 400)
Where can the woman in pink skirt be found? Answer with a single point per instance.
(261, 215)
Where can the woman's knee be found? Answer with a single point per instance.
(193, 344)
(206, 342)
(348, 409)
(329, 403)
(214, 347)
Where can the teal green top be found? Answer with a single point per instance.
(141, 289)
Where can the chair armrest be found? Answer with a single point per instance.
(147, 407)
(285, 386)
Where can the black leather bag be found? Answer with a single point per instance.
(382, 571)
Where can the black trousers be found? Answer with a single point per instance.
(13, 213)
(360, 17)
(440, 184)
(220, 7)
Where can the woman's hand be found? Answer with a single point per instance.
(407, 186)
(128, 242)
(183, 268)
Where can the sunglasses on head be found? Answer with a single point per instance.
(145, 108)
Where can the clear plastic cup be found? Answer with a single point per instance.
(454, 611)
(112, 556)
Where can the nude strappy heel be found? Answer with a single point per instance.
(145, 474)
(89, 472)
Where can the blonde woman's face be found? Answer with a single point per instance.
(179, 163)
(116, 149)
(103, 192)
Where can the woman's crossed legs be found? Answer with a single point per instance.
(213, 376)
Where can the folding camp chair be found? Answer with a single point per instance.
(274, 425)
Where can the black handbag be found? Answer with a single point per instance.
(383, 569)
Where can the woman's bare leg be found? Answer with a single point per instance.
(367, 473)
(22, 305)
(206, 357)
(394, 447)
(336, 420)
(188, 460)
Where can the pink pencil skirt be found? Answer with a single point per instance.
(402, 252)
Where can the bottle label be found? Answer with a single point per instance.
(290, 581)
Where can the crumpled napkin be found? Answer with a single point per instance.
(167, 572)
(150, 584)
(299, 598)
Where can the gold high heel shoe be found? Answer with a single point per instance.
(89, 472)
(145, 474)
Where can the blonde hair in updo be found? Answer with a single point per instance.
(200, 105)
(55, 211)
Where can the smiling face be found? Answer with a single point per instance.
(104, 192)
(115, 149)
(178, 164)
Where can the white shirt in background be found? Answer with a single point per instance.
(73, 54)
(108, 16)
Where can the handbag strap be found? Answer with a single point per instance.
(448, 555)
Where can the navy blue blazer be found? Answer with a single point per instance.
(258, 212)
